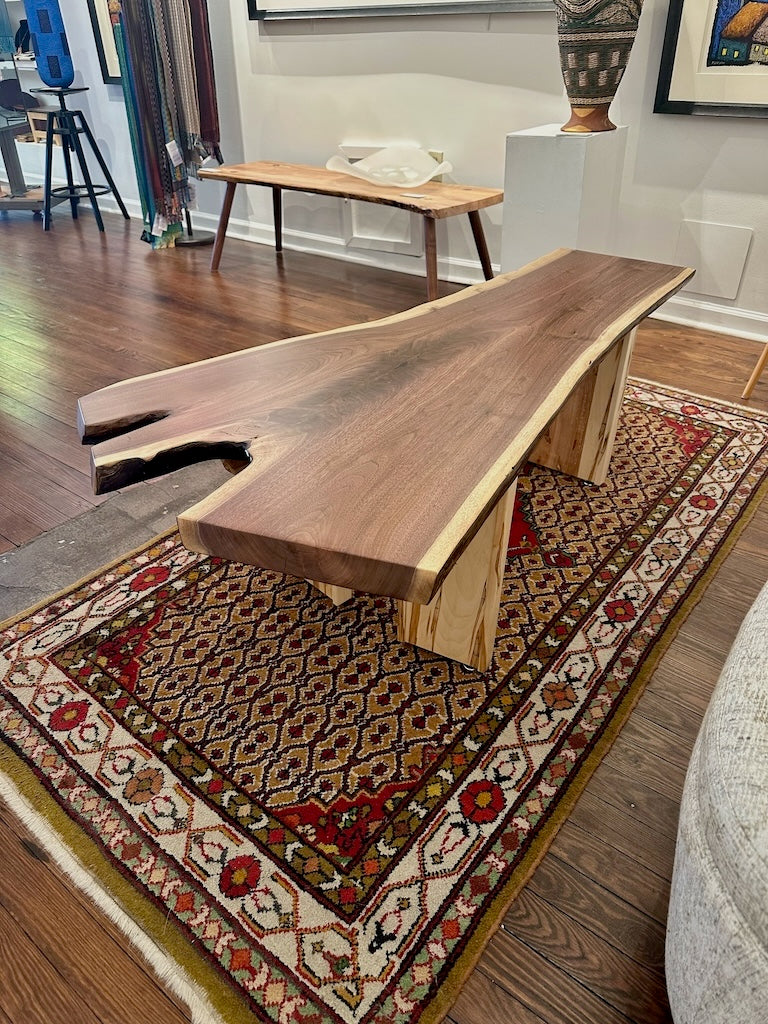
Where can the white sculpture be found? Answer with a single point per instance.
(395, 165)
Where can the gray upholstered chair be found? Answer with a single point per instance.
(717, 929)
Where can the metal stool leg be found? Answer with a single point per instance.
(48, 171)
(70, 124)
(86, 177)
(67, 132)
(103, 166)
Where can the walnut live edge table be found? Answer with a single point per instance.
(383, 457)
(434, 200)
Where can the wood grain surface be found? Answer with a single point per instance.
(433, 199)
(460, 621)
(376, 451)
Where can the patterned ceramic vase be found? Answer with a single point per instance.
(595, 38)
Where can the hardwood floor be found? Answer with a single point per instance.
(584, 942)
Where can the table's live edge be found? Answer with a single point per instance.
(411, 569)
(436, 199)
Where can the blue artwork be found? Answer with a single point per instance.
(739, 34)
(49, 41)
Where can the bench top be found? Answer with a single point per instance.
(433, 199)
(375, 452)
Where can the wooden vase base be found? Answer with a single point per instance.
(589, 119)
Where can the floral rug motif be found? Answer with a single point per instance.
(334, 821)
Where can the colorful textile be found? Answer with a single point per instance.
(334, 821)
(166, 67)
(7, 42)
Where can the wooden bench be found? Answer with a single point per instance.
(383, 457)
(433, 200)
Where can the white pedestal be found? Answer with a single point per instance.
(560, 190)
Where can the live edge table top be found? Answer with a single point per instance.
(375, 452)
(434, 198)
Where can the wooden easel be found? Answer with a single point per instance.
(759, 367)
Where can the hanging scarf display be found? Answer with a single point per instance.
(166, 64)
(7, 46)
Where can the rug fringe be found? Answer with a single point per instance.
(168, 970)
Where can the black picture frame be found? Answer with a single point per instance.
(105, 41)
(666, 102)
(294, 10)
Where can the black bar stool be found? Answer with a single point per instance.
(70, 125)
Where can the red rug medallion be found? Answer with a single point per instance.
(333, 820)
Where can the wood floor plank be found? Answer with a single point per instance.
(597, 910)
(37, 422)
(482, 1001)
(79, 943)
(683, 722)
(30, 443)
(620, 830)
(21, 460)
(33, 991)
(595, 964)
(551, 993)
(55, 402)
(620, 873)
(629, 792)
(688, 672)
(663, 762)
(30, 506)
(709, 364)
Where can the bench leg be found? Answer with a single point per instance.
(339, 595)
(277, 211)
(482, 246)
(756, 374)
(579, 440)
(430, 253)
(461, 619)
(221, 231)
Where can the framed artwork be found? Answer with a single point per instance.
(715, 59)
(264, 10)
(105, 40)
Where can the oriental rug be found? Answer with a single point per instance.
(332, 821)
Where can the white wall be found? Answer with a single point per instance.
(453, 83)
(460, 84)
(700, 168)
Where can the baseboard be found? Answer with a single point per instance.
(731, 320)
(457, 271)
